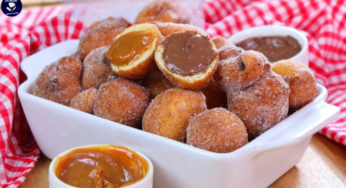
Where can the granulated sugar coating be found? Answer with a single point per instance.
(241, 71)
(302, 82)
(84, 101)
(101, 34)
(122, 101)
(217, 130)
(169, 113)
(96, 68)
(157, 83)
(59, 81)
(261, 105)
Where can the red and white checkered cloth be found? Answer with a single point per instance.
(322, 21)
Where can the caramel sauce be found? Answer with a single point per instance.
(188, 53)
(129, 47)
(275, 48)
(101, 167)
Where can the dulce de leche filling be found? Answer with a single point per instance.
(130, 46)
(101, 167)
(188, 53)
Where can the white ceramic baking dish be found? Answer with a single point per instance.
(57, 128)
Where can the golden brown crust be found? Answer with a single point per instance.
(196, 81)
(229, 51)
(169, 113)
(241, 71)
(122, 101)
(101, 34)
(221, 41)
(171, 28)
(217, 130)
(143, 66)
(96, 68)
(301, 80)
(84, 101)
(157, 83)
(162, 11)
(59, 81)
(261, 105)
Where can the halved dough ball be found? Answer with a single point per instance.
(122, 101)
(96, 68)
(102, 33)
(302, 82)
(188, 59)
(217, 130)
(162, 11)
(170, 112)
(84, 101)
(59, 81)
(132, 52)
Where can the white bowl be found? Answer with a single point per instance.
(57, 128)
(55, 182)
(276, 30)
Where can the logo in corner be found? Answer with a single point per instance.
(11, 8)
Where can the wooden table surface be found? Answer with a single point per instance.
(322, 166)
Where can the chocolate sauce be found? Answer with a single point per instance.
(188, 53)
(275, 48)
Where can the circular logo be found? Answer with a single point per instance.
(11, 7)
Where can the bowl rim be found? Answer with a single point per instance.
(52, 165)
(273, 30)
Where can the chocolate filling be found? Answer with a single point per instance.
(275, 48)
(188, 53)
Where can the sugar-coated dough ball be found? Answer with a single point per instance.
(59, 81)
(169, 113)
(217, 130)
(84, 101)
(157, 83)
(302, 82)
(96, 68)
(100, 34)
(122, 101)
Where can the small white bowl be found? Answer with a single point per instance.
(276, 30)
(55, 182)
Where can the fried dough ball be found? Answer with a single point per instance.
(302, 82)
(96, 68)
(217, 130)
(162, 11)
(132, 52)
(59, 81)
(157, 83)
(241, 71)
(263, 104)
(220, 41)
(101, 34)
(166, 28)
(229, 51)
(215, 97)
(184, 69)
(169, 113)
(122, 101)
(84, 101)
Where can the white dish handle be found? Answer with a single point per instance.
(325, 112)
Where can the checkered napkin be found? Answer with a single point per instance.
(322, 21)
